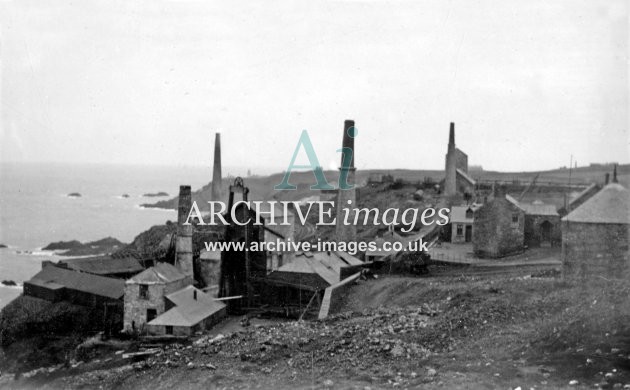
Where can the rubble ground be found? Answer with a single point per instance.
(496, 331)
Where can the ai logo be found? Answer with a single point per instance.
(316, 168)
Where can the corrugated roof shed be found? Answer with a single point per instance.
(191, 307)
(161, 273)
(53, 277)
(104, 265)
(610, 205)
(326, 265)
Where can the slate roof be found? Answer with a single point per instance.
(326, 265)
(610, 205)
(161, 273)
(539, 209)
(514, 202)
(465, 176)
(53, 277)
(188, 311)
(458, 213)
(104, 265)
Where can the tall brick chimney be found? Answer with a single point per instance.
(183, 245)
(347, 233)
(217, 190)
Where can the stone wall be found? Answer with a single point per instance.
(590, 249)
(533, 236)
(494, 233)
(136, 307)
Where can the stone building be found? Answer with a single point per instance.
(145, 292)
(499, 227)
(595, 235)
(457, 180)
(462, 220)
(188, 310)
(542, 224)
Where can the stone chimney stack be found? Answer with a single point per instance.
(183, 245)
(450, 176)
(217, 190)
(615, 174)
(346, 198)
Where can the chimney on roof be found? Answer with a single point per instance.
(195, 295)
(615, 174)
(607, 180)
(183, 245)
(217, 189)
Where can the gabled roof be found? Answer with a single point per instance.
(161, 273)
(104, 265)
(188, 311)
(53, 277)
(610, 205)
(514, 202)
(466, 177)
(588, 192)
(326, 265)
(539, 208)
(458, 213)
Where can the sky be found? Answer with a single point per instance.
(530, 85)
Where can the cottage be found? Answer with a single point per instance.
(542, 224)
(462, 220)
(499, 227)
(145, 292)
(595, 235)
(188, 310)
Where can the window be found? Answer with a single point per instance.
(169, 329)
(144, 291)
(151, 314)
(469, 214)
(515, 218)
(460, 230)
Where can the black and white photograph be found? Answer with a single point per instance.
(331, 194)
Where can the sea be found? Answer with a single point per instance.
(35, 208)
